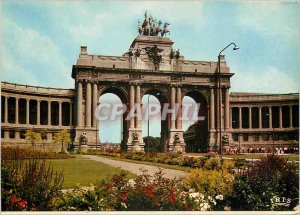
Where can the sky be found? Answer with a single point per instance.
(41, 39)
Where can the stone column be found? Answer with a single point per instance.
(6, 110)
(95, 102)
(38, 112)
(79, 104)
(291, 116)
(49, 113)
(17, 111)
(6, 134)
(131, 104)
(138, 102)
(59, 113)
(250, 117)
(270, 117)
(17, 135)
(230, 117)
(259, 118)
(280, 117)
(27, 111)
(226, 108)
(212, 109)
(240, 118)
(172, 105)
(49, 137)
(71, 114)
(88, 105)
(179, 102)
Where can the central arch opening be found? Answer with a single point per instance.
(155, 129)
(196, 131)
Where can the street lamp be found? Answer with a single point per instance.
(148, 125)
(220, 93)
(97, 130)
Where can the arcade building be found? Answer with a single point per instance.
(253, 122)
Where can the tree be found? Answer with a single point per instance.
(32, 137)
(152, 144)
(62, 137)
(44, 137)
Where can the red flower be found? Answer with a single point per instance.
(173, 196)
(124, 195)
(22, 204)
(149, 191)
(157, 204)
(14, 200)
(186, 207)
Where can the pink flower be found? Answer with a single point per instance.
(22, 204)
(14, 200)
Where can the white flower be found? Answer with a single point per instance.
(131, 182)
(219, 197)
(204, 206)
(123, 205)
(211, 199)
(183, 194)
(227, 208)
(194, 195)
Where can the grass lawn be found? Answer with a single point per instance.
(83, 172)
(248, 156)
(162, 165)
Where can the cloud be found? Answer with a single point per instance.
(33, 58)
(270, 18)
(270, 80)
(17, 73)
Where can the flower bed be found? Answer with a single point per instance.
(208, 162)
(144, 193)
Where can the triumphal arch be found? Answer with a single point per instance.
(250, 122)
(151, 66)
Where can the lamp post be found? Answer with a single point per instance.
(273, 146)
(97, 131)
(148, 126)
(220, 94)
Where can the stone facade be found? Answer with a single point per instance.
(26, 107)
(151, 66)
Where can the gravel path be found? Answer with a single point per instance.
(135, 168)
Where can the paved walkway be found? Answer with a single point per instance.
(135, 168)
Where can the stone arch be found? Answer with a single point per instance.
(163, 98)
(122, 94)
(199, 143)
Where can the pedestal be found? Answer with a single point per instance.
(83, 149)
(135, 144)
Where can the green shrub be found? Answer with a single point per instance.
(13, 153)
(271, 176)
(213, 163)
(210, 182)
(29, 185)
